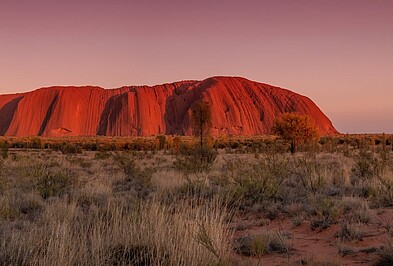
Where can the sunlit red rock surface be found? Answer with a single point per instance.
(239, 107)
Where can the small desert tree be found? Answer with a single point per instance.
(201, 125)
(201, 121)
(296, 129)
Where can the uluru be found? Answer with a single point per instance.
(239, 107)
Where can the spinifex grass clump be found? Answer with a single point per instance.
(266, 242)
(326, 210)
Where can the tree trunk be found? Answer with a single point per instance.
(293, 147)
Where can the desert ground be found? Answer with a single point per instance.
(153, 201)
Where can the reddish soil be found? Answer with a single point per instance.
(239, 107)
(322, 245)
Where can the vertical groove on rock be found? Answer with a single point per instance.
(48, 115)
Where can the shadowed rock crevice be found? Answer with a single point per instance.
(177, 106)
(48, 115)
(104, 119)
(114, 109)
(7, 114)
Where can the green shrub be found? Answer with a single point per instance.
(311, 173)
(255, 182)
(55, 184)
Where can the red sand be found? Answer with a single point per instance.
(239, 107)
(324, 245)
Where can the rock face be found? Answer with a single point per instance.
(239, 107)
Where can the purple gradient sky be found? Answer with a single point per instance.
(337, 52)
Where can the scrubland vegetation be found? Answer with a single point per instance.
(162, 201)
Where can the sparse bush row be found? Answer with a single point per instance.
(258, 144)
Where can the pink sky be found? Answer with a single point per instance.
(339, 53)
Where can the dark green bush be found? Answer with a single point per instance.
(55, 184)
